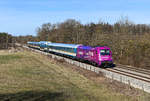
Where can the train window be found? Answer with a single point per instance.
(58, 48)
(63, 48)
(104, 52)
(67, 49)
(71, 50)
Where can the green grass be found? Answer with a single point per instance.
(4, 59)
(26, 76)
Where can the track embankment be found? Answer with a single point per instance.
(131, 76)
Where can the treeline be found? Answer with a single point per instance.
(25, 39)
(129, 42)
(5, 40)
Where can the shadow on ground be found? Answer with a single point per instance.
(33, 96)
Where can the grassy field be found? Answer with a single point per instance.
(26, 76)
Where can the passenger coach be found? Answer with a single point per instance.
(65, 49)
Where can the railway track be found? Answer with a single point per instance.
(139, 70)
(138, 78)
(132, 74)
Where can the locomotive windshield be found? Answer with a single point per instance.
(105, 52)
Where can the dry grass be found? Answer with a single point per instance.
(32, 77)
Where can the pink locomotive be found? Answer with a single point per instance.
(100, 56)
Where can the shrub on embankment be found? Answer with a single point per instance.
(131, 50)
(5, 40)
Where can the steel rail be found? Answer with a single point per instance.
(132, 71)
(128, 74)
(135, 68)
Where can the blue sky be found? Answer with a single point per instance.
(22, 17)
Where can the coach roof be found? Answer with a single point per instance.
(63, 45)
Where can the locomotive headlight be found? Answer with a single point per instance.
(100, 59)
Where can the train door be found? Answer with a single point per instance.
(97, 55)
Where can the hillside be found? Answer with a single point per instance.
(30, 76)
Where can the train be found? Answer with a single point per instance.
(99, 56)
